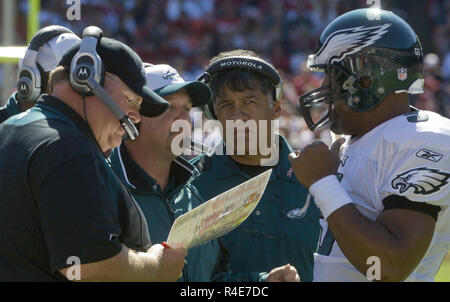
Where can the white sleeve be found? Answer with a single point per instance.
(421, 175)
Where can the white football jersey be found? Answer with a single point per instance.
(409, 156)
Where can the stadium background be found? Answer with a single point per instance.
(187, 33)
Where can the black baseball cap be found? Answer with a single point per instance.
(122, 61)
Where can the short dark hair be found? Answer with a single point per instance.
(239, 79)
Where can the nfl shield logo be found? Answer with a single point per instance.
(402, 74)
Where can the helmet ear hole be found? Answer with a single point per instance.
(365, 82)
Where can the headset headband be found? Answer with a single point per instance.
(45, 35)
(245, 62)
(91, 37)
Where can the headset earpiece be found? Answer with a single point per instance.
(87, 64)
(243, 62)
(31, 81)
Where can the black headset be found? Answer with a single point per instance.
(241, 62)
(87, 75)
(32, 80)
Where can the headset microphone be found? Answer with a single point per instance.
(125, 121)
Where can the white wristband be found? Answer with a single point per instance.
(329, 195)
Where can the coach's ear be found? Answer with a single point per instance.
(277, 108)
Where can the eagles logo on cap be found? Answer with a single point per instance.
(169, 75)
(165, 80)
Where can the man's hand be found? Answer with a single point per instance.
(316, 161)
(285, 273)
(170, 262)
(157, 264)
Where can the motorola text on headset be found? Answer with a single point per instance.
(240, 62)
(32, 81)
(87, 75)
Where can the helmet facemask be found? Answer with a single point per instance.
(314, 103)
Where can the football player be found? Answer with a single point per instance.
(386, 197)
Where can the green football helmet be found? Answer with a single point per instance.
(367, 54)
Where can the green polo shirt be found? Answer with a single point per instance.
(207, 262)
(283, 228)
(11, 108)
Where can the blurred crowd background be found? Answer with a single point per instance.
(187, 33)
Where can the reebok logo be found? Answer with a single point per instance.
(429, 155)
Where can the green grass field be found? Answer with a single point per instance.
(444, 273)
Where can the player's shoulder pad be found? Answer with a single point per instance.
(202, 162)
(419, 126)
(416, 116)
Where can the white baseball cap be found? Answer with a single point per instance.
(51, 52)
(163, 79)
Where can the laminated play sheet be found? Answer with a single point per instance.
(219, 215)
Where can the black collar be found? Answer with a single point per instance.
(55, 103)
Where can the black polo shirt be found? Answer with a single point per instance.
(59, 197)
(11, 108)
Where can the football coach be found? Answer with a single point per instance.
(59, 213)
